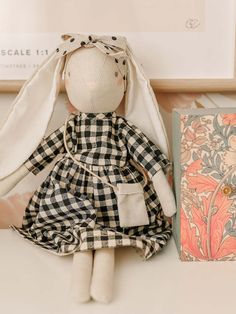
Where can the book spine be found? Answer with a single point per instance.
(176, 135)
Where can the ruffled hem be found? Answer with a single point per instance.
(96, 239)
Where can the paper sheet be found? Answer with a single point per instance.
(171, 38)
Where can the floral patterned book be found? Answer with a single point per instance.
(205, 183)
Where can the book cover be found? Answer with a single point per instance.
(205, 183)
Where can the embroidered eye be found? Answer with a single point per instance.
(116, 74)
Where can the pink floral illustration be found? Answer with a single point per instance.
(201, 183)
(189, 241)
(229, 156)
(192, 137)
(208, 216)
(229, 119)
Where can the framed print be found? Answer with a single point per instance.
(183, 45)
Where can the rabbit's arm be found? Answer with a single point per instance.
(149, 156)
(164, 193)
(47, 150)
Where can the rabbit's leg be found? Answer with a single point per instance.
(103, 274)
(81, 276)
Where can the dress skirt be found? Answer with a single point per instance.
(72, 210)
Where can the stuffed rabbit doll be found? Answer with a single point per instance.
(75, 211)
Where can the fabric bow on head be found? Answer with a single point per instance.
(112, 46)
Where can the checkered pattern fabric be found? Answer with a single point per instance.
(72, 210)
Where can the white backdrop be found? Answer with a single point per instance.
(172, 38)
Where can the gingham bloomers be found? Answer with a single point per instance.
(72, 210)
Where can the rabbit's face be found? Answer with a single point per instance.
(93, 81)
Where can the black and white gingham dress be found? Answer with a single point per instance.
(74, 211)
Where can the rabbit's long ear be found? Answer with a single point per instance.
(141, 106)
(29, 116)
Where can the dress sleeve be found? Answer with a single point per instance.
(142, 150)
(47, 150)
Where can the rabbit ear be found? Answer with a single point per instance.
(29, 116)
(141, 106)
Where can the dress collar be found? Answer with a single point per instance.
(98, 115)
